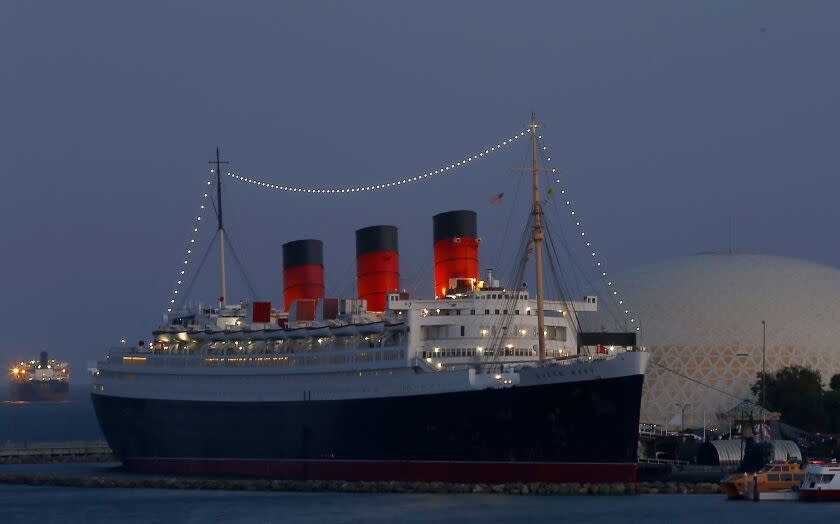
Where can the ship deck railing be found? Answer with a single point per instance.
(654, 430)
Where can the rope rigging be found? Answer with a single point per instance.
(556, 273)
(611, 290)
(501, 328)
(517, 268)
(180, 293)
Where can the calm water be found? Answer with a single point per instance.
(59, 505)
(49, 421)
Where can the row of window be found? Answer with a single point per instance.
(312, 359)
(819, 479)
(505, 296)
(551, 332)
(276, 360)
(472, 352)
(443, 332)
(475, 352)
(784, 476)
(457, 312)
(330, 343)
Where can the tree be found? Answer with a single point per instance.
(796, 392)
(835, 383)
(831, 405)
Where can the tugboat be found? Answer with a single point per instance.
(483, 382)
(44, 379)
(822, 481)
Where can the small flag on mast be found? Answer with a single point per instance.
(497, 198)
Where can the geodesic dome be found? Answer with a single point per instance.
(701, 317)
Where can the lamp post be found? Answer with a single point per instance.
(682, 413)
(763, 362)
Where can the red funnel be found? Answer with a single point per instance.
(377, 265)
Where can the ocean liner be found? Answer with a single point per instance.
(484, 382)
(44, 379)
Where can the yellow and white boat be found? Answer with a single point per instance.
(776, 476)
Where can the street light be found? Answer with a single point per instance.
(763, 361)
(682, 413)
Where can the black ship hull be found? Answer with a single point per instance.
(40, 391)
(578, 431)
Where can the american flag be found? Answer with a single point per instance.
(497, 198)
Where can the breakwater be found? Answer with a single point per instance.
(536, 488)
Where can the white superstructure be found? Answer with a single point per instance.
(476, 340)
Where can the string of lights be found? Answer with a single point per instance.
(182, 272)
(389, 184)
(596, 258)
(446, 169)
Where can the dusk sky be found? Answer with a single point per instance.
(667, 119)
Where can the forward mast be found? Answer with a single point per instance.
(221, 228)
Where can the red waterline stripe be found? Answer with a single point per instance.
(819, 494)
(486, 472)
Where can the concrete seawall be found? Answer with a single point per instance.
(50, 452)
(40, 479)
(67, 453)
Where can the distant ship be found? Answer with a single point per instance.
(44, 379)
(481, 383)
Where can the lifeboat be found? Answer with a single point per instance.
(348, 330)
(373, 328)
(297, 333)
(215, 334)
(165, 335)
(254, 334)
(274, 334)
(200, 336)
(233, 334)
(318, 331)
(399, 326)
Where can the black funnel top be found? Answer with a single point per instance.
(453, 224)
(303, 252)
(376, 238)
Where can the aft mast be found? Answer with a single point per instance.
(538, 233)
(221, 228)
